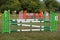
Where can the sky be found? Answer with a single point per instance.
(58, 0)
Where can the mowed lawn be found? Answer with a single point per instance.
(32, 35)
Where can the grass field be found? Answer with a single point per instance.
(32, 35)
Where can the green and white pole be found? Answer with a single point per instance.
(30, 25)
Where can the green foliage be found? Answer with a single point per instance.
(30, 5)
(2, 2)
(11, 4)
(42, 6)
(34, 6)
(51, 4)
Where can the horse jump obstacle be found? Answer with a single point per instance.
(6, 22)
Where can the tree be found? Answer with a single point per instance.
(2, 2)
(30, 5)
(42, 5)
(51, 4)
(11, 4)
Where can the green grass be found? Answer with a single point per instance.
(32, 35)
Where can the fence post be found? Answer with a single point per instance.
(53, 22)
(6, 22)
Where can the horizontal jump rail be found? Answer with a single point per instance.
(28, 30)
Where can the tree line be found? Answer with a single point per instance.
(29, 5)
